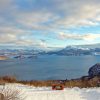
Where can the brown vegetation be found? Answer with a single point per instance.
(81, 82)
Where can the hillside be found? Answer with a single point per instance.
(46, 93)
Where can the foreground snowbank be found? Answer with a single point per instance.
(46, 93)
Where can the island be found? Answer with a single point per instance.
(3, 58)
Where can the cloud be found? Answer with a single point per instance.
(61, 13)
(86, 37)
(35, 20)
(4, 4)
(80, 13)
(13, 40)
(8, 38)
(53, 14)
(21, 17)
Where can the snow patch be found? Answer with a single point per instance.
(46, 93)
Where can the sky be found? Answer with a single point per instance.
(48, 24)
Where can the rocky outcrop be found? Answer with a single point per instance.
(94, 70)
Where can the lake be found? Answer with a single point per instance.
(48, 67)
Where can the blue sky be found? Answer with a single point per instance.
(46, 24)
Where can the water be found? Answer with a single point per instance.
(48, 67)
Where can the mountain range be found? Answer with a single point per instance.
(74, 50)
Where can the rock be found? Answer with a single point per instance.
(85, 78)
(94, 70)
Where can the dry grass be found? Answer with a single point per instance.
(10, 79)
(37, 83)
(82, 82)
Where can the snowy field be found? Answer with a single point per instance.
(46, 93)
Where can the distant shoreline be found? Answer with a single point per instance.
(3, 58)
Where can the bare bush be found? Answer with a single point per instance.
(9, 93)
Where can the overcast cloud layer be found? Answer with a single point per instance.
(49, 23)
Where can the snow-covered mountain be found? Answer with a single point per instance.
(76, 50)
(19, 53)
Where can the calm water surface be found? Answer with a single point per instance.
(48, 67)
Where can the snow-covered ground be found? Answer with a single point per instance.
(46, 93)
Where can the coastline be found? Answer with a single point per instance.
(3, 58)
(91, 80)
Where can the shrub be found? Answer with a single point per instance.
(9, 93)
(9, 78)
